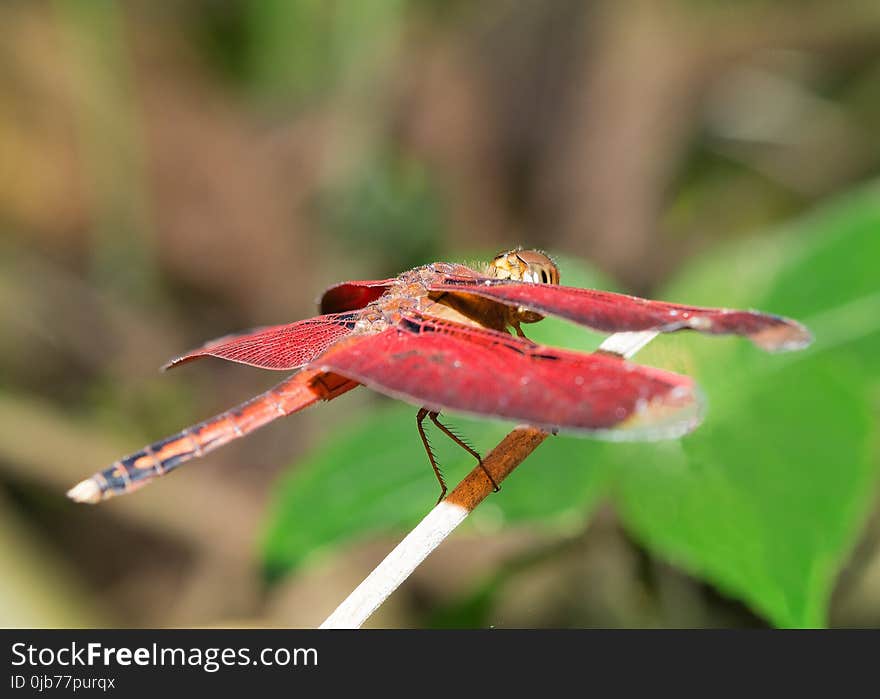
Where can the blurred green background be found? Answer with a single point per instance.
(172, 172)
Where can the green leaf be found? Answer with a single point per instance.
(766, 499)
(369, 481)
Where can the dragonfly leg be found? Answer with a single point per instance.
(464, 445)
(420, 418)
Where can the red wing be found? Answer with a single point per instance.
(609, 312)
(350, 296)
(443, 365)
(282, 347)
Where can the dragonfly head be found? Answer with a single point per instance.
(525, 266)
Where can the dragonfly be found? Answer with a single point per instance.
(449, 337)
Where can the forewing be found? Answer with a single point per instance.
(281, 347)
(447, 366)
(350, 296)
(609, 312)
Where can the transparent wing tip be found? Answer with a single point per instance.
(784, 336)
(672, 415)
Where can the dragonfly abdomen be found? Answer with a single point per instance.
(131, 472)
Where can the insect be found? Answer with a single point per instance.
(438, 336)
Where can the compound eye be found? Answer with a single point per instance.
(537, 267)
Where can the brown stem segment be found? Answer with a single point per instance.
(499, 463)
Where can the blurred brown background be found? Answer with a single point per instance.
(171, 172)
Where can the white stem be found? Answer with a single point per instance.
(433, 530)
(397, 566)
(627, 344)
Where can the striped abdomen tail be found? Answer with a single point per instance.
(132, 472)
